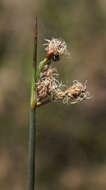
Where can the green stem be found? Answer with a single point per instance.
(32, 148)
(32, 127)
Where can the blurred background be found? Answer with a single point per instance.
(71, 139)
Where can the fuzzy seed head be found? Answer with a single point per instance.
(74, 94)
(56, 46)
(48, 86)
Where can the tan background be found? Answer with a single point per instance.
(71, 140)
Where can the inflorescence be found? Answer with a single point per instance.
(56, 46)
(48, 86)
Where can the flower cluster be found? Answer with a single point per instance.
(48, 86)
(74, 94)
(55, 48)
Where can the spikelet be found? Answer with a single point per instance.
(56, 46)
(74, 94)
(49, 87)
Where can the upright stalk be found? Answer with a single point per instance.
(32, 127)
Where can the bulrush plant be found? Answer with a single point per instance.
(47, 87)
